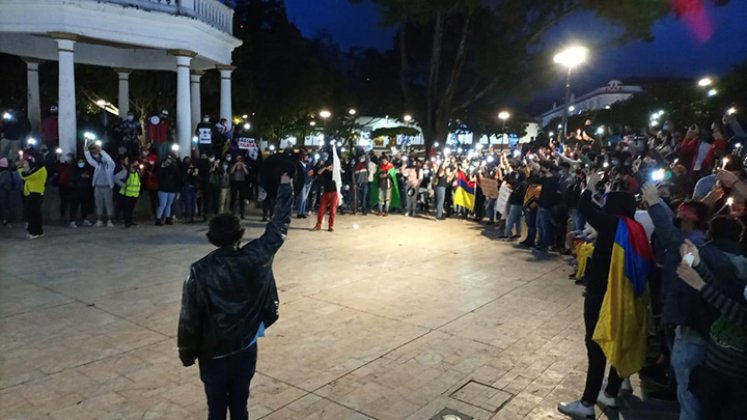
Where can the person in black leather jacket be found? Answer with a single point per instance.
(228, 300)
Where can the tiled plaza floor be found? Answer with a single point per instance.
(386, 318)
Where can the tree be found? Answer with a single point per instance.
(474, 50)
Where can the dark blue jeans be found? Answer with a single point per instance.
(531, 218)
(227, 384)
(190, 201)
(363, 197)
(544, 227)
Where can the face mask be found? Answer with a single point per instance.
(211, 160)
(130, 117)
(225, 167)
(228, 158)
(81, 164)
(207, 120)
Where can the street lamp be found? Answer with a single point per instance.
(712, 92)
(503, 116)
(570, 57)
(407, 118)
(325, 114)
(705, 82)
(352, 111)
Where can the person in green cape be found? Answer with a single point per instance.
(385, 191)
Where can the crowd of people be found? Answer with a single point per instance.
(655, 217)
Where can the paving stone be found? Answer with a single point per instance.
(386, 318)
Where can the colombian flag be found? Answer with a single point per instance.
(464, 195)
(623, 323)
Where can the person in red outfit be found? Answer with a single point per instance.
(330, 197)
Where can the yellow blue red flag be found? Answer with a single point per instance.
(464, 194)
(622, 329)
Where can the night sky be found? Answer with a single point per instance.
(682, 47)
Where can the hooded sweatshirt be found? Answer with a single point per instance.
(103, 172)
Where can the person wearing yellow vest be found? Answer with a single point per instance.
(34, 176)
(130, 191)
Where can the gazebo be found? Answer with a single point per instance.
(188, 36)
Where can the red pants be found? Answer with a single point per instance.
(329, 201)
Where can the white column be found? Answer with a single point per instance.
(194, 78)
(123, 99)
(66, 93)
(33, 103)
(225, 92)
(183, 105)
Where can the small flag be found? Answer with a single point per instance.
(464, 195)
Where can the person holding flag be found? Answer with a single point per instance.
(464, 193)
(385, 189)
(616, 313)
(330, 181)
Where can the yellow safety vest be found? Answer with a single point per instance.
(132, 185)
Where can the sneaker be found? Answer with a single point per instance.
(606, 401)
(159, 222)
(87, 223)
(264, 219)
(99, 224)
(73, 225)
(169, 221)
(32, 237)
(331, 229)
(316, 228)
(577, 409)
(109, 224)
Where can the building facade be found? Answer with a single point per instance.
(188, 37)
(601, 98)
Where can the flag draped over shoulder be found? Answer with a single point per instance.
(623, 323)
(336, 173)
(373, 194)
(464, 194)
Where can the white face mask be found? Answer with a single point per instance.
(207, 120)
(130, 117)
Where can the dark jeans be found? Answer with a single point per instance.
(362, 205)
(128, 207)
(544, 227)
(531, 218)
(65, 198)
(83, 198)
(4, 205)
(559, 225)
(268, 208)
(227, 384)
(723, 397)
(32, 205)
(153, 196)
(238, 189)
(597, 362)
(190, 201)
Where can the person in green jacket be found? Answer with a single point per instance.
(130, 192)
(34, 176)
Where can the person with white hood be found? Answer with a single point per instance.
(103, 182)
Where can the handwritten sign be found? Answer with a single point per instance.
(489, 187)
(503, 194)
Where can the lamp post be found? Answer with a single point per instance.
(570, 57)
(503, 116)
(324, 115)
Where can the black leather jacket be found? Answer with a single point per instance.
(231, 291)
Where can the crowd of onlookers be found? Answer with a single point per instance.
(685, 186)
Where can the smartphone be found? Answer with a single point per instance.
(689, 258)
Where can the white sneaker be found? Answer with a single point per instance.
(109, 224)
(577, 409)
(604, 400)
(87, 223)
(99, 224)
(32, 237)
(73, 225)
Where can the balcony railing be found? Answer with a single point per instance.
(212, 12)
